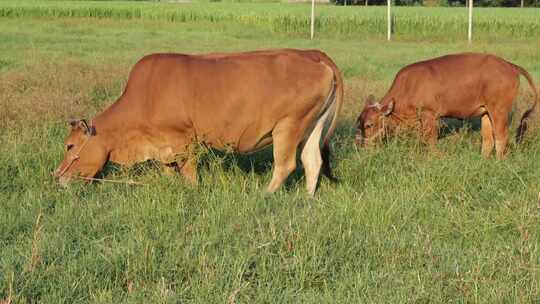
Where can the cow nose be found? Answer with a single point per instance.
(59, 173)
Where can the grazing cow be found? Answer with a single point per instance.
(458, 86)
(242, 101)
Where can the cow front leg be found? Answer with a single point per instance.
(430, 129)
(188, 169)
(171, 169)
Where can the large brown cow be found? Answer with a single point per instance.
(458, 86)
(243, 101)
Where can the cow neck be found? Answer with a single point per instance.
(118, 125)
(111, 125)
(393, 117)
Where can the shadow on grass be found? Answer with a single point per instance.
(112, 169)
(259, 163)
(449, 126)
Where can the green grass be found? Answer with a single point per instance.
(402, 225)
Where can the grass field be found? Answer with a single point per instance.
(402, 225)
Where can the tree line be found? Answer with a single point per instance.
(484, 3)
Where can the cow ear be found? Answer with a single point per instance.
(87, 129)
(370, 100)
(389, 108)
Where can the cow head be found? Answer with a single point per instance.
(85, 154)
(372, 123)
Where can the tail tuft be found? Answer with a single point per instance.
(326, 170)
(523, 126)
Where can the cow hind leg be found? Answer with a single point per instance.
(286, 140)
(499, 105)
(311, 155)
(500, 126)
(487, 136)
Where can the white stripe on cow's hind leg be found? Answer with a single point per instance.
(286, 141)
(311, 155)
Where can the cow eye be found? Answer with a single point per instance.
(69, 147)
(368, 125)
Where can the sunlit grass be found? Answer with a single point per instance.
(402, 224)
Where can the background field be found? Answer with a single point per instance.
(402, 225)
(447, 23)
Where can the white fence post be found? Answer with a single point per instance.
(389, 17)
(470, 20)
(312, 18)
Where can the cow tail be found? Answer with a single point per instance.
(524, 119)
(338, 100)
(337, 105)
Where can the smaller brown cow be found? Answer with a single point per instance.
(458, 86)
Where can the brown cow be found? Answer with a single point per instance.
(243, 101)
(458, 86)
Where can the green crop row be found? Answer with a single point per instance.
(295, 18)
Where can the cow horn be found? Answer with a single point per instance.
(88, 129)
(83, 125)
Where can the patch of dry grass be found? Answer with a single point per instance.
(48, 92)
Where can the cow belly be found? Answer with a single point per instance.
(248, 145)
(248, 140)
(463, 113)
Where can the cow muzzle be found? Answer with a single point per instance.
(60, 176)
(61, 173)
